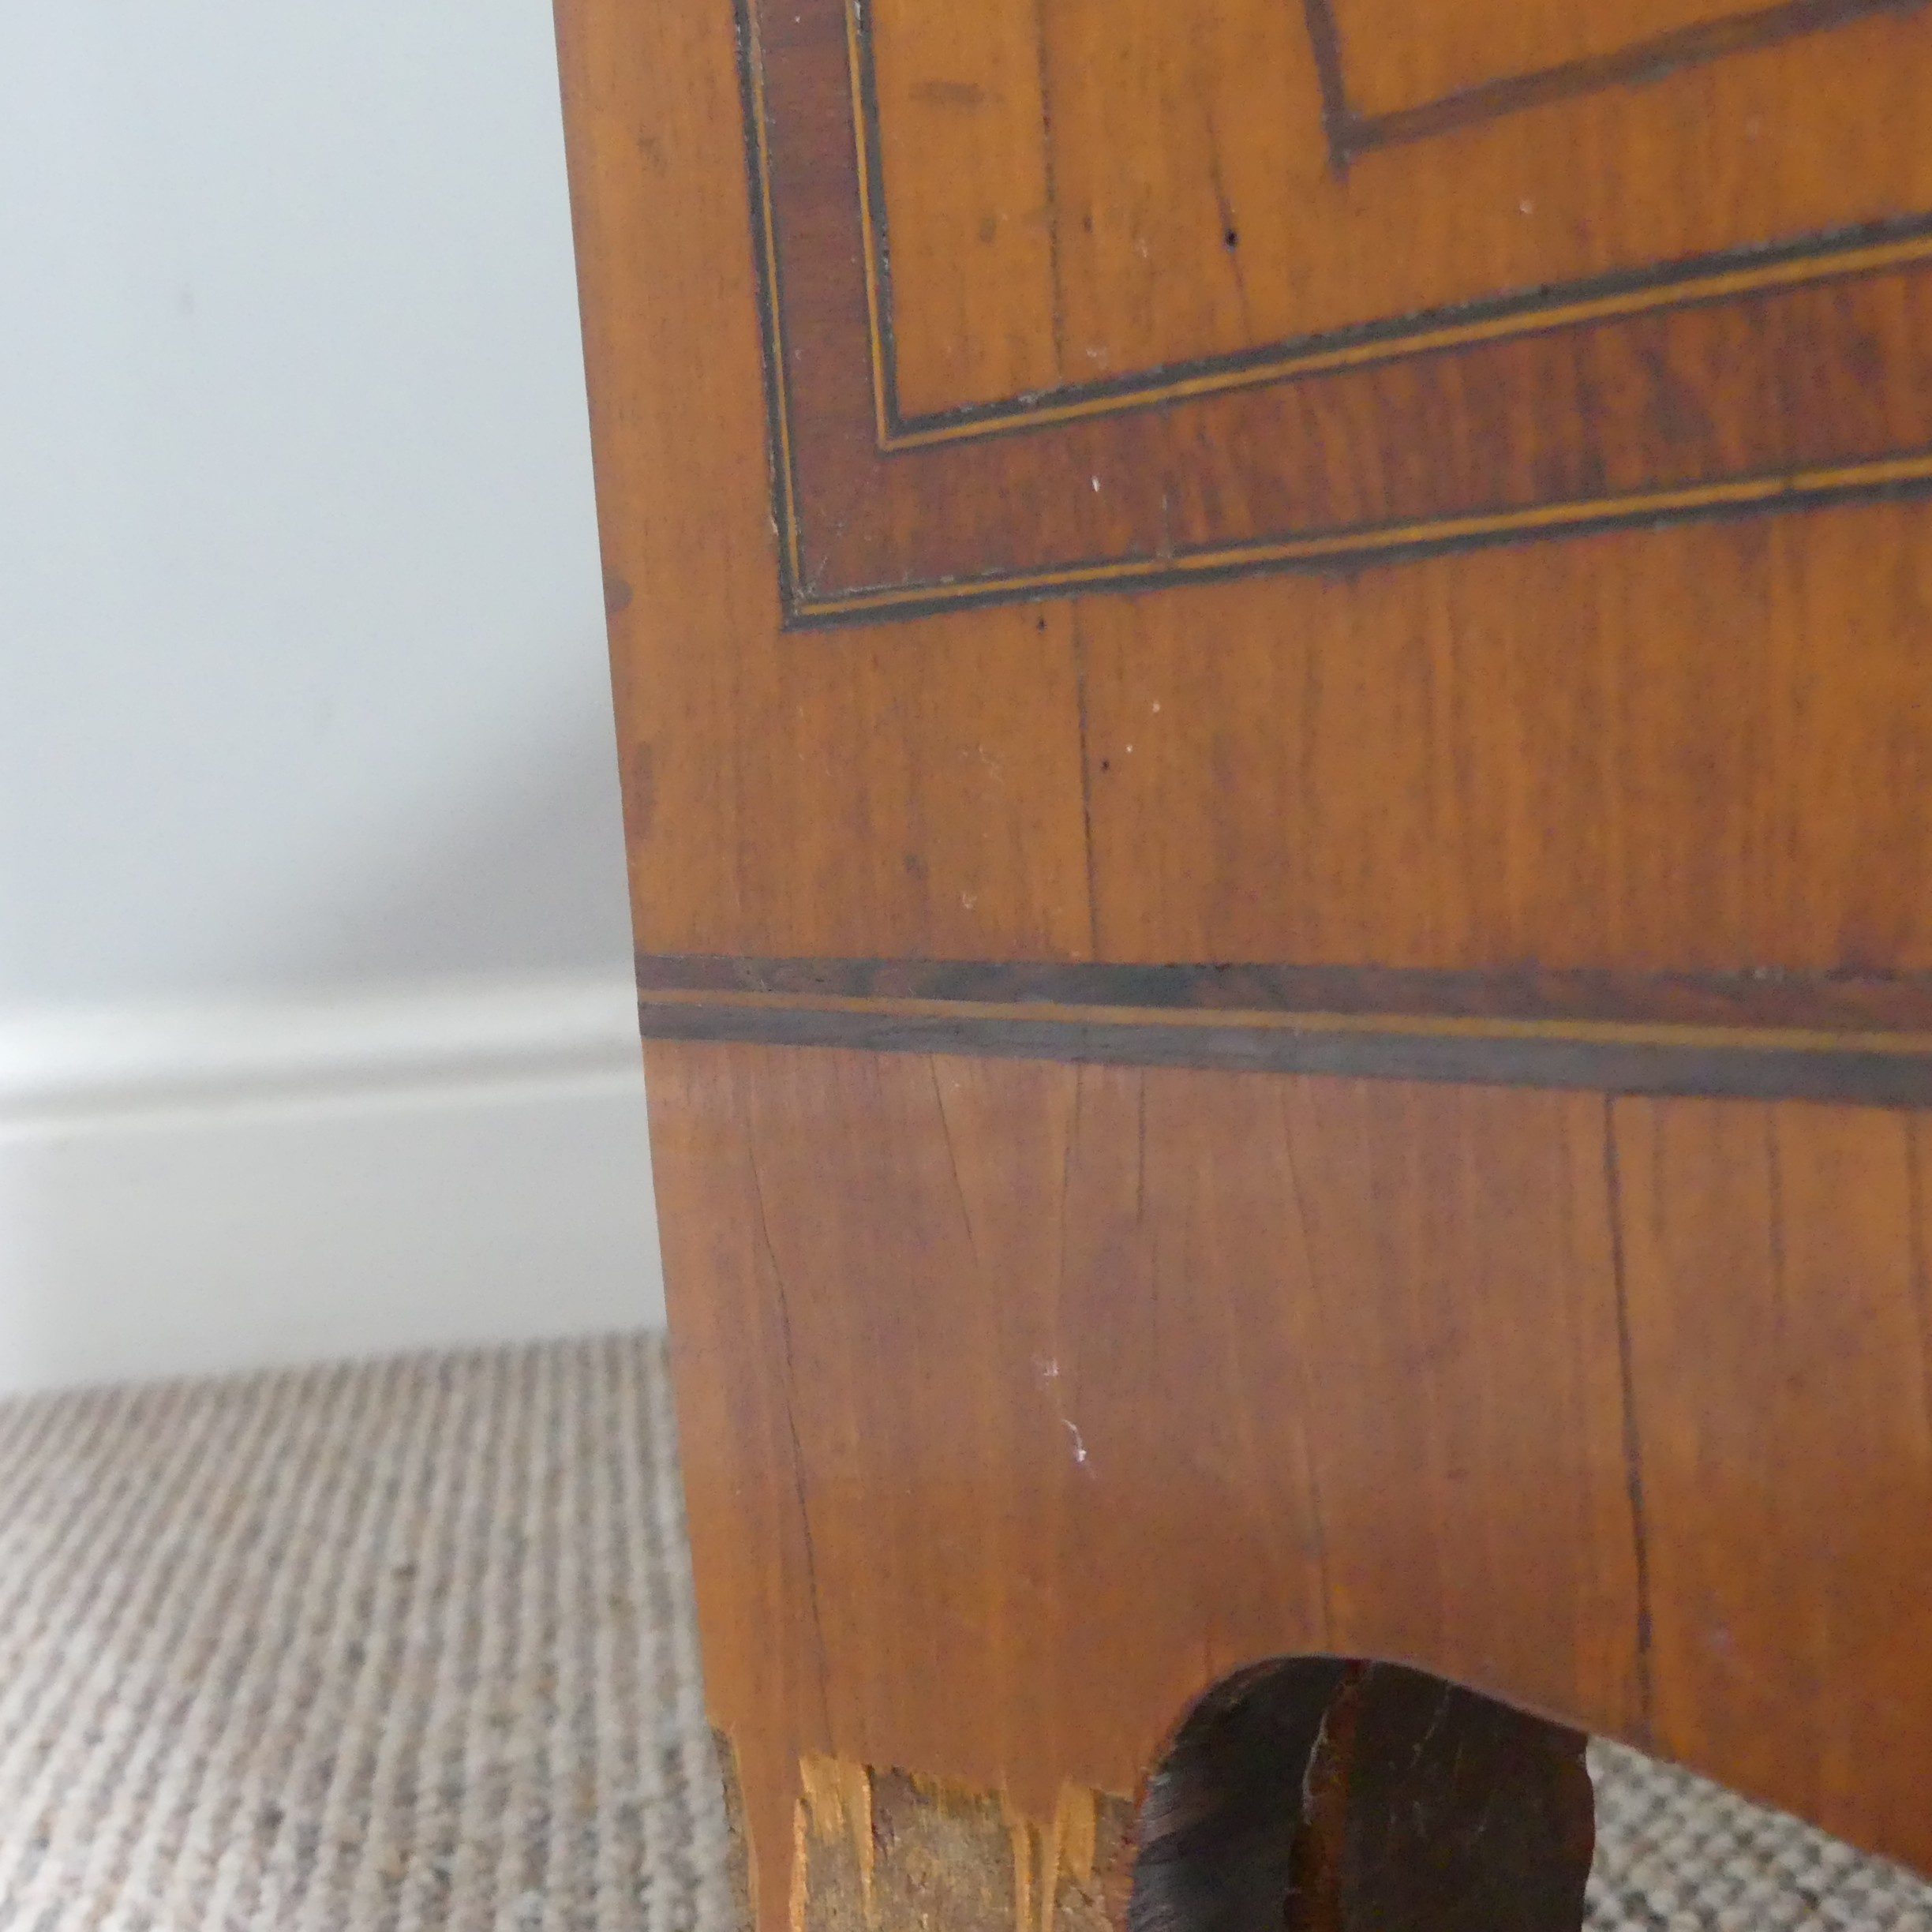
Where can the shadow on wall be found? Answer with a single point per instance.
(306, 730)
(524, 873)
(383, 1148)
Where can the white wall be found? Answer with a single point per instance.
(302, 690)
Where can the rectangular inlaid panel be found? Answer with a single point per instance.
(1141, 300)
(1166, 185)
(1398, 57)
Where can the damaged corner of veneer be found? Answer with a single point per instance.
(739, 1870)
(889, 1850)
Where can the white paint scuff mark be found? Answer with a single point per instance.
(1047, 1369)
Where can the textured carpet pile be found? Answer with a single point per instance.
(410, 1645)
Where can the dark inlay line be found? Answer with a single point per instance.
(1338, 122)
(1854, 1075)
(1867, 479)
(1645, 61)
(1349, 133)
(1829, 1003)
(1050, 157)
(872, 196)
(765, 274)
(1747, 272)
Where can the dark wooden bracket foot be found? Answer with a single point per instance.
(1311, 1795)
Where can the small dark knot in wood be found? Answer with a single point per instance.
(1311, 1795)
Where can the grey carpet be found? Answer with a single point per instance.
(410, 1645)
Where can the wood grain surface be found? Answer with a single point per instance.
(1494, 147)
(1656, 750)
(960, 114)
(1489, 376)
(1021, 1399)
(1697, 748)
(922, 781)
(1779, 1330)
(1100, 1383)
(1390, 66)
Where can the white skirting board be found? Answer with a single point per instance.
(196, 1189)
